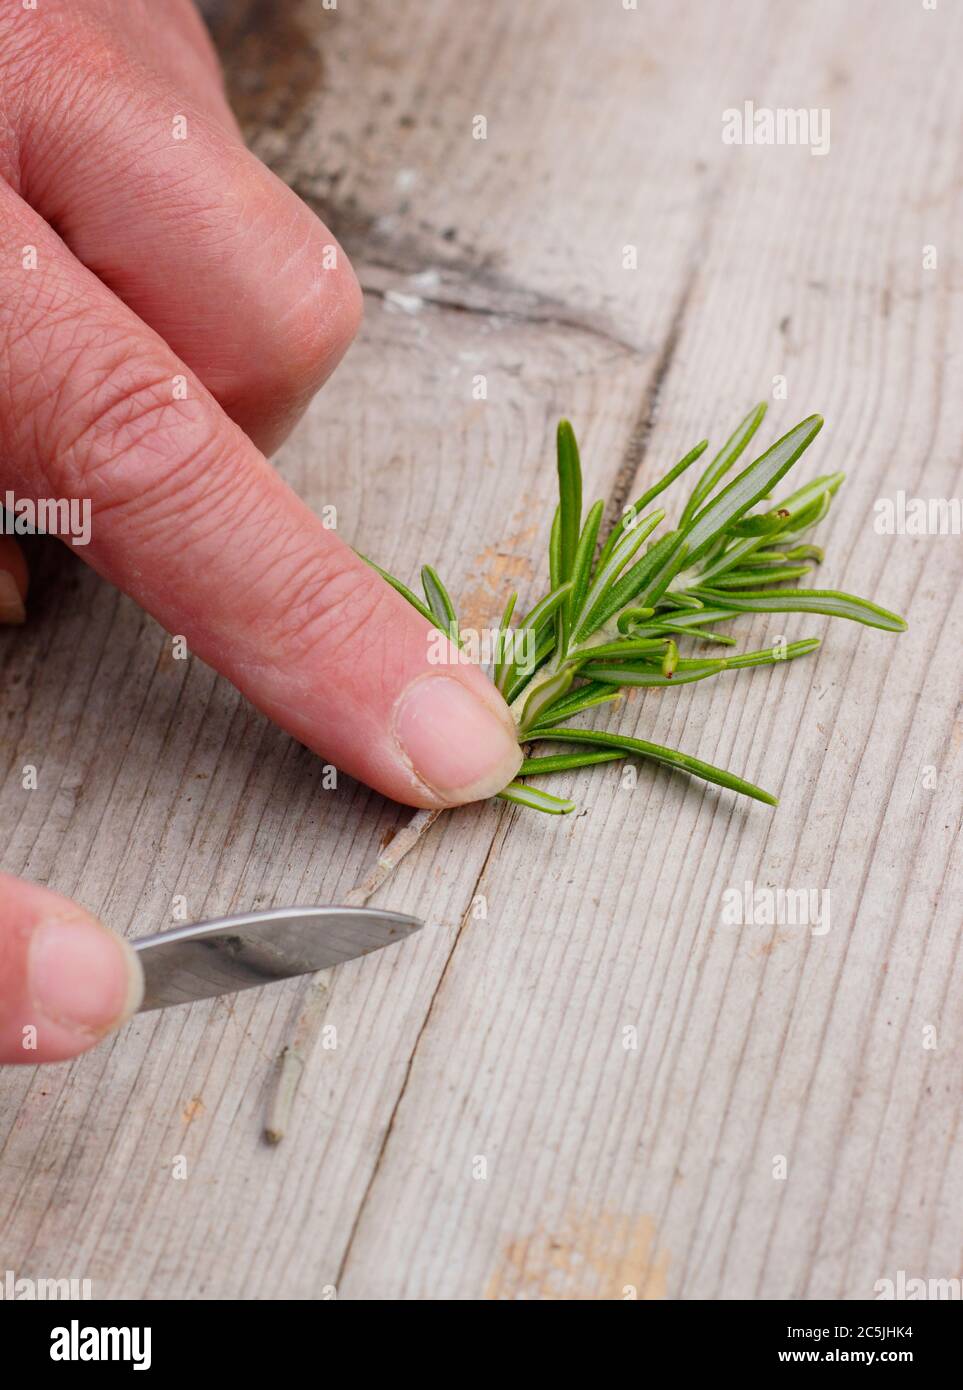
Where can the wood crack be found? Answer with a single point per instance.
(505, 302)
(633, 456)
(499, 836)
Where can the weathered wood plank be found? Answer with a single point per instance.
(501, 1036)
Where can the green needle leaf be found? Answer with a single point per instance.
(605, 591)
(723, 559)
(442, 608)
(630, 514)
(503, 652)
(678, 599)
(671, 757)
(628, 646)
(680, 621)
(811, 493)
(758, 524)
(801, 552)
(701, 634)
(519, 679)
(634, 674)
(674, 550)
(804, 520)
(543, 696)
(722, 462)
(543, 610)
(532, 625)
(834, 605)
(400, 588)
(780, 557)
(630, 617)
(748, 578)
(585, 697)
(744, 549)
(752, 484)
(563, 762)
(584, 555)
(555, 574)
(535, 799)
(569, 498)
(554, 551)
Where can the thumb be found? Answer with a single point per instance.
(65, 980)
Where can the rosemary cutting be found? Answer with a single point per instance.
(614, 617)
(617, 614)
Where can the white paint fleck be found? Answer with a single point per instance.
(425, 280)
(407, 303)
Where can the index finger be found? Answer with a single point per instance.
(192, 521)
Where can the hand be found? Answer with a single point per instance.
(167, 310)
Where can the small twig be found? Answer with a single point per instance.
(291, 1062)
(295, 1056)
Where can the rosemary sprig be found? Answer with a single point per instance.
(615, 619)
(614, 615)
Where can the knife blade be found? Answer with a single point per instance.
(228, 954)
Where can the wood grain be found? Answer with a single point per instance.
(481, 1129)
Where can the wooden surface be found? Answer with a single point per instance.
(497, 1042)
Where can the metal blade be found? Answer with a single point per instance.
(233, 953)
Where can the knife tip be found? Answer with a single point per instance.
(401, 924)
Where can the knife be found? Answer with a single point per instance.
(257, 948)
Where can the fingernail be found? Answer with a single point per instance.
(454, 742)
(11, 604)
(82, 976)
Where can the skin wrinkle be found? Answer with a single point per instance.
(324, 594)
(55, 182)
(382, 748)
(47, 411)
(25, 402)
(42, 421)
(66, 364)
(116, 22)
(86, 404)
(321, 599)
(302, 341)
(331, 609)
(108, 448)
(294, 554)
(18, 325)
(191, 512)
(191, 516)
(39, 101)
(142, 499)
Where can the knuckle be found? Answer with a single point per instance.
(323, 304)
